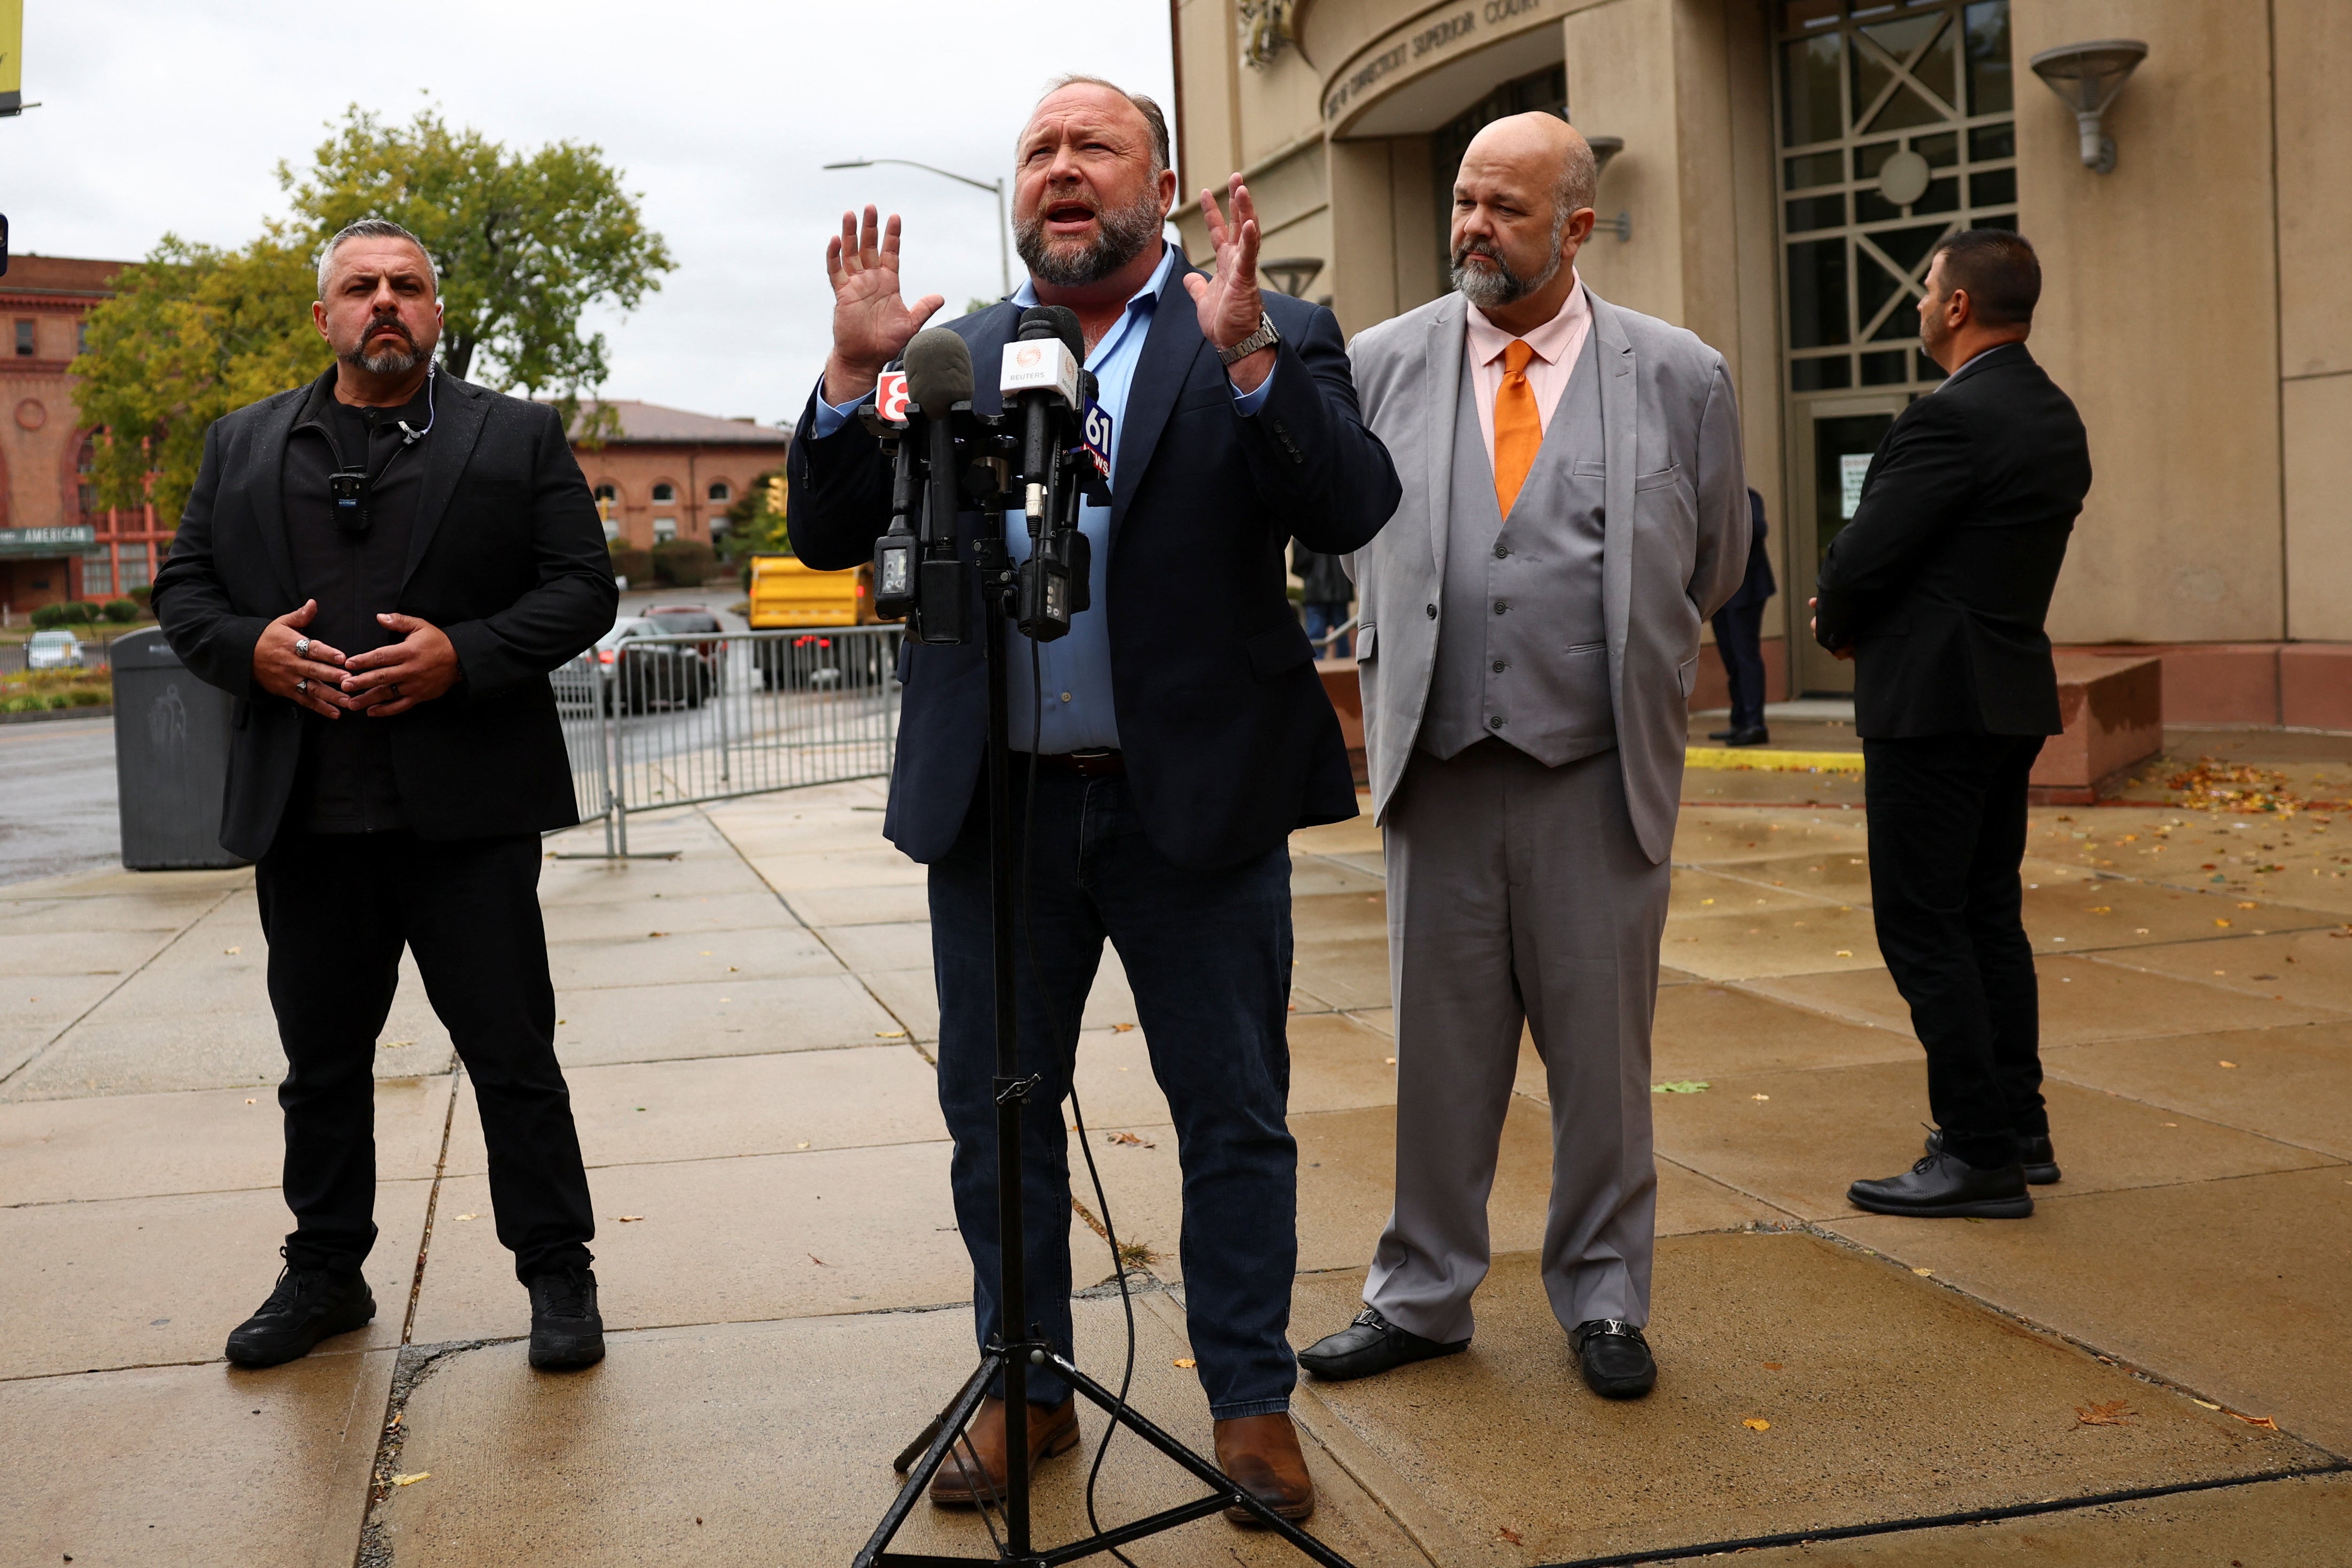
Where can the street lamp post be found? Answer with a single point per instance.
(1003, 254)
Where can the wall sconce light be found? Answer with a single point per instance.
(2087, 77)
(1604, 148)
(1293, 274)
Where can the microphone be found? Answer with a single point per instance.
(1043, 363)
(938, 380)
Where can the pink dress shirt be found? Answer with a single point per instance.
(1557, 343)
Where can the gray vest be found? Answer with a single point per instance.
(1522, 653)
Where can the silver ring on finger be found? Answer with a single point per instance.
(302, 687)
(301, 647)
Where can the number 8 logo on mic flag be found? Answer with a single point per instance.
(890, 396)
(1098, 437)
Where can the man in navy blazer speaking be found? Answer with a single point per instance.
(1181, 733)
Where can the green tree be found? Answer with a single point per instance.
(189, 335)
(755, 522)
(524, 242)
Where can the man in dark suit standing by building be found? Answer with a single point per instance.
(381, 568)
(1739, 638)
(1939, 590)
(1180, 730)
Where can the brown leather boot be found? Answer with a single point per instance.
(1260, 1453)
(975, 1467)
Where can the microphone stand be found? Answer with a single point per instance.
(923, 1459)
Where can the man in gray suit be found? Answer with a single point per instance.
(1574, 508)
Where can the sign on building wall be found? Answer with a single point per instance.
(12, 56)
(1428, 41)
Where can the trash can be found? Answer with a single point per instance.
(171, 758)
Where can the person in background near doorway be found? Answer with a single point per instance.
(1937, 591)
(1738, 638)
(1328, 593)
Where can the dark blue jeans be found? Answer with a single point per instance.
(1208, 955)
(1322, 620)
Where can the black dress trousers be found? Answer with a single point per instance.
(1740, 642)
(1946, 816)
(338, 909)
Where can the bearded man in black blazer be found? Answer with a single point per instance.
(1180, 730)
(381, 568)
(1938, 589)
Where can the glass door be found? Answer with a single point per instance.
(1835, 439)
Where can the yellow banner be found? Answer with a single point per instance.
(11, 56)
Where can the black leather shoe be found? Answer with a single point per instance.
(1758, 735)
(307, 1306)
(1721, 734)
(1943, 1186)
(566, 1328)
(1369, 1344)
(2041, 1164)
(1616, 1358)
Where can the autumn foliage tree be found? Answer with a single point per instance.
(525, 243)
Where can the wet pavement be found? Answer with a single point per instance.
(2153, 1369)
(56, 776)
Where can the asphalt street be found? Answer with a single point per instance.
(57, 778)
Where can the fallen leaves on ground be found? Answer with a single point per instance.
(469, 1217)
(2106, 1413)
(2264, 1422)
(1757, 1424)
(1681, 1086)
(393, 1044)
(890, 1034)
(2213, 786)
(818, 1261)
(231, 952)
(1123, 1028)
(410, 1480)
(1183, 1363)
(1513, 1536)
(626, 1219)
(1771, 1367)
(1137, 1255)
(1129, 1139)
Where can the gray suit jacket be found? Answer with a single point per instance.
(1674, 549)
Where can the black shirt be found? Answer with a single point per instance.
(344, 782)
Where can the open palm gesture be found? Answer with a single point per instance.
(1230, 304)
(871, 322)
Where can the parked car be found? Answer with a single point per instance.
(53, 651)
(684, 620)
(642, 676)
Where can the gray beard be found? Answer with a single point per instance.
(1488, 289)
(1124, 236)
(390, 363)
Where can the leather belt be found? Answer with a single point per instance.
(1089, 764)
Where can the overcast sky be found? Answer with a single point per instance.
(159, 116)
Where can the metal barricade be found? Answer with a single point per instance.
(676, 720)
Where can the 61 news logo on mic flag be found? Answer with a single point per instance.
(1097, 434)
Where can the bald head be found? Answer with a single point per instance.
(1538, 152)
(1522, 208)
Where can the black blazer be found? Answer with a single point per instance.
(1942, 581)
(507, 557)
(1230, 741)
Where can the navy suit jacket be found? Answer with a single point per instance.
(1230, 741)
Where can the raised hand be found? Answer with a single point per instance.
(286, 664)
(871, 323)
(1231, 304)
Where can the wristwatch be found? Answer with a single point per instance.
(1266, 336)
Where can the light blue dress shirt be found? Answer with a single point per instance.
(1074, 670)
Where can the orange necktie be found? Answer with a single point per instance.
(1518, 430)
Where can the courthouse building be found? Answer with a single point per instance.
(1780, 169)
(55, 542)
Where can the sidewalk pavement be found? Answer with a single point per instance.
(2157, 1368)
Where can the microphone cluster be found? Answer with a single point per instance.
(1045, 455)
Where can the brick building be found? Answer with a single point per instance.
(55, 542)
(671, 475)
